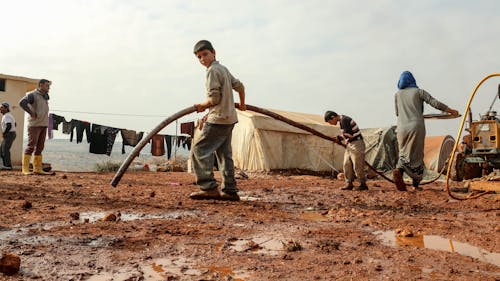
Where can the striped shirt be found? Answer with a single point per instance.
(349, 129)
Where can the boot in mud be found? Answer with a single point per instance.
(398, 180)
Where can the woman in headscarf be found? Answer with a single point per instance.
(409, 100)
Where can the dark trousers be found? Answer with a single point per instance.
(8, 139)
(36, 140)
(214, 142)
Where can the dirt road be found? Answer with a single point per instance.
(285, 228)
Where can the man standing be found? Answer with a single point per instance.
(354, 155)
(36, 104)
(8, 124)
(215, 137)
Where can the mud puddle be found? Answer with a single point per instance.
(21, 234)
(93, 217)
(260, 245)
(172, 269)
(435, 242)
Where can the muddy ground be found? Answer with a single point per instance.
(285, 228)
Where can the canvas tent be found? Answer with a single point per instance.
(381, 148)
(261, 143)
(437, 149)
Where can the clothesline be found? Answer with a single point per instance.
(106, 113)
(101, 138)
(117, 114)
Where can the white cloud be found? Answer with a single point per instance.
(136, 56)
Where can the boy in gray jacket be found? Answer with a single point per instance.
(215, 137)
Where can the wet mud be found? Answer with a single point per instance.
(75, 226)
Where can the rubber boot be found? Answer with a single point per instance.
(38, 166)
(26, 164)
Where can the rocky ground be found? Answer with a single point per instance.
(75, 226)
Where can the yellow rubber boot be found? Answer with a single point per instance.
(26, 164)
(38, 166)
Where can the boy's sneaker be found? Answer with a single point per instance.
(205, 194)
(229, 196)
(362, 186)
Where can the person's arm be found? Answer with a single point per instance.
(241, 93)
(8, 126)
(437, 104)
(396, 104)
(28, 99)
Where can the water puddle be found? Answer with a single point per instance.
(260, 245)
(21, 234)
(172, 269)
(435, 242)
(92, 217)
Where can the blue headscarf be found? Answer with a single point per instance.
(406, 80)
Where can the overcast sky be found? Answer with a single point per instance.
(135, 56)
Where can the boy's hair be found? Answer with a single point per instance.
(329, 115)
(203, 45)
(43, 81)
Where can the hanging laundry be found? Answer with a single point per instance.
(178, 140)
(81, 126)
(67, 129)
(54, 121)
(110, 139)
(157, 146)
(50, 135)
(57, 120)
(131, 138)
(98, 139)
(168, 141)
(187, 143)
(187, 128)
(102, 139)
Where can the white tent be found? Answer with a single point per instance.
(261, 143)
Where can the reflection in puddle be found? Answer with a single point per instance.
(96, 216)
(435, 242)
(264, 245)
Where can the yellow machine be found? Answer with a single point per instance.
(480, 153)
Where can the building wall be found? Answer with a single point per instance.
(15, 89)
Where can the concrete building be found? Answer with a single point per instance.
(12, 89)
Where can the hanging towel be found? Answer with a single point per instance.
(187, 128)
(157, 146)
